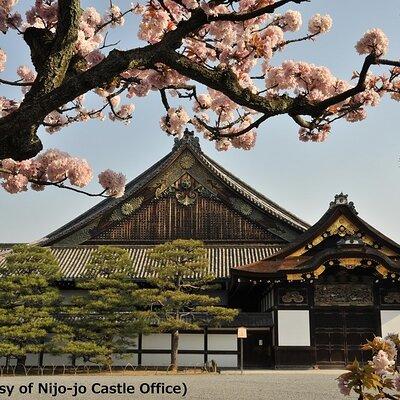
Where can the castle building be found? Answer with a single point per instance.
(308, 295)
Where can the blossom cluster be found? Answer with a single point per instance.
(381, 369)
(55, 167)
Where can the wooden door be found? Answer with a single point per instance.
(257, 349)
(339, 334)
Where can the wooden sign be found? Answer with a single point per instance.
(242, 332)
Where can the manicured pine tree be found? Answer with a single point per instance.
(28, 301)
(178, 279)
(104, 320)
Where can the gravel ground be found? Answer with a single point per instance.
(271, 385)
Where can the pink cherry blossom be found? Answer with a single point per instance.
(55, 121)
(368, 97)
(291, 21)
(7, 20)
(15, 183)
(26, 74)
(49, 156)
(223, 144)
(91, 17)
(356, 115)
(3, 59)
(245, 141)
(115, 100)
(112, 182)
(374, 41)
(175, 121)
(7, 106)
(190, 4)
(57, 170)
(153, 25)
(343, 387)
(319, 24)
(319, 135)
(43, 14)
(79, 172)
(203, 102)
(126, 110)
(381, 362)
(115, 15)
(52, 166)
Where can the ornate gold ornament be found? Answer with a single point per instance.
(130, 206)
(80, 236)
(186, 190)
(392, 298)
(349, 263)
(382, 270)
(292, 297)
(241, 206)
(319, 271)
(342, 227)
(186, 161)
(343, 294)
(294, 277)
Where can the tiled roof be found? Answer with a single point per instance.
(73, 259)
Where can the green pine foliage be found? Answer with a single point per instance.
(179, 278)
(104, 320)
(28, 301)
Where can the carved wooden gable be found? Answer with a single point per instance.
(184, 195)
(167, 219)
(184, 209)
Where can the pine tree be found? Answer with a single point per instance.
(27, 301)
(104, 320)
(178, 279)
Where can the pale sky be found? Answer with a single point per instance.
(360, 159)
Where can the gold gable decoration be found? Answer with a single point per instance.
(186, 189)
(342, 227)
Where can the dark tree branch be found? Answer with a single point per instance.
(15, 83)
(236, 17)
(54, 87)
(388, 62)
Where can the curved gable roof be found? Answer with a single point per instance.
(311, 249)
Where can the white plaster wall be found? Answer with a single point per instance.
(159, 360)
(125, 359)
(223, 341)
(293, 328)
(32, 360)
(156, 341)
(191, 360)
(390, 321)
(59, 359)
(191, 341)
(224, 360)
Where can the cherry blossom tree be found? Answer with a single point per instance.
(378, 378)
(211, 61)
